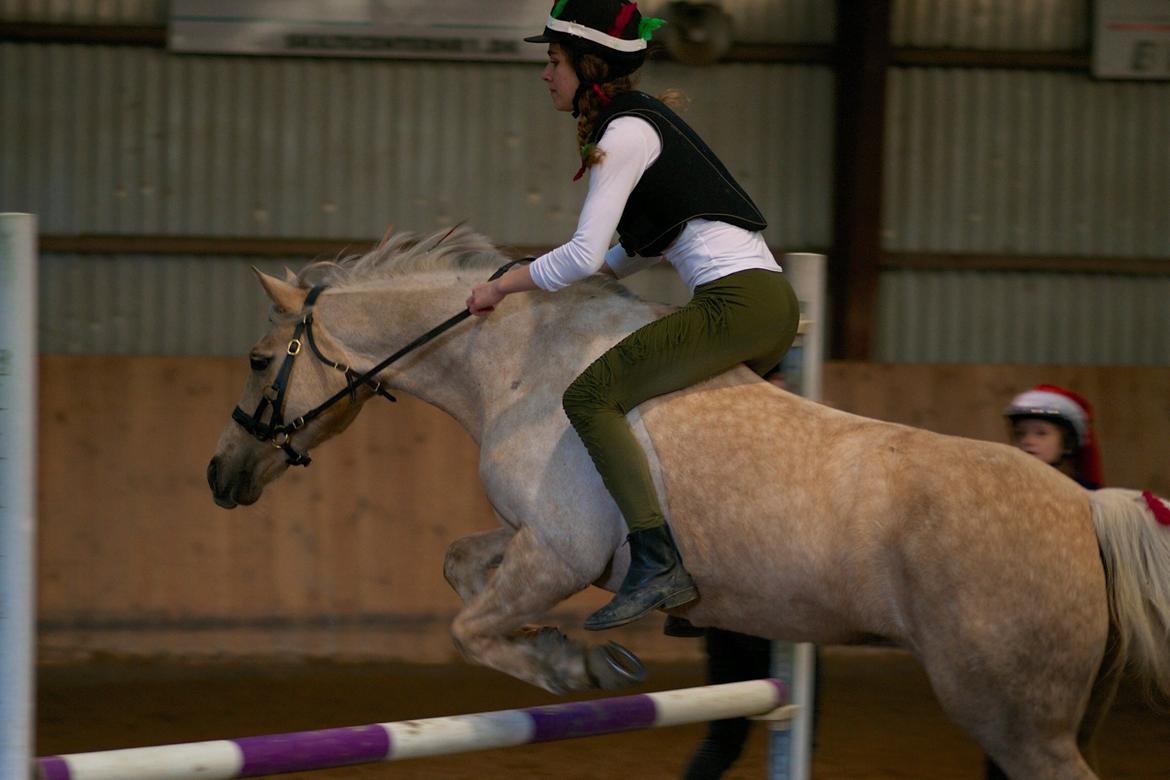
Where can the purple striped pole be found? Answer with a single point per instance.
(307, 750)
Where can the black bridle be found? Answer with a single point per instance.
(278, 432)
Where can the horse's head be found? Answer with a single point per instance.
(299, 393)
(303, 387)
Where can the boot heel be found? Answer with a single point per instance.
(656, 579)
(685, 596)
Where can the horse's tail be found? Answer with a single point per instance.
(1136, 552)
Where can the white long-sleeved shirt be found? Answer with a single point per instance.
(704, 251)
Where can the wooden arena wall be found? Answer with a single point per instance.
(344, 559)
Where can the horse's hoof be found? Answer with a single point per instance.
(613, 666)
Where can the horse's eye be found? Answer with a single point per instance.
(259, 362)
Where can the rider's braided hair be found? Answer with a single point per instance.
(594, 70)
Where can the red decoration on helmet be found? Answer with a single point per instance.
(623, 19)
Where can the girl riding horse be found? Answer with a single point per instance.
(666, 194)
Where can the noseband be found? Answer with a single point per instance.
(278, 432)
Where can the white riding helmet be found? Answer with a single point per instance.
(1048, 402)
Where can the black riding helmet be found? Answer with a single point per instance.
(612, 30)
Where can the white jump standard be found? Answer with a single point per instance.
(307, 750)
(18, 457)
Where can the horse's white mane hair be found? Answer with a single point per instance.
(456, 249)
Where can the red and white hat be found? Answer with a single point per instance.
(1049, 402)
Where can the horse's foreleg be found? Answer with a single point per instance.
(471, 560)
(494, 628)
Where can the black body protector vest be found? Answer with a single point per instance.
(686, 182)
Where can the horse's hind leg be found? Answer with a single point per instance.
(470, 560)
(1019, 744)
(1027, 723)
(1105, 686)
(494, 628)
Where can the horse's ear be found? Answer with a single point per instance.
(284, 295)
(290, 276)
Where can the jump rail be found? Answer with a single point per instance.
(307, 750)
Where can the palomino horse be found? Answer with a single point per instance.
(1023, 595)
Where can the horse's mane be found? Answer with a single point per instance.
(459, 248)
(404, 253)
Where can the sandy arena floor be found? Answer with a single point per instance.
(879, 719)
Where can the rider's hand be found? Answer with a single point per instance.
(484, 298)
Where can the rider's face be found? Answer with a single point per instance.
(1040, 438)
(561, 78)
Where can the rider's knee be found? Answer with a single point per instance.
(585, 396)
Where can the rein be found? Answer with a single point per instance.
(278, 432)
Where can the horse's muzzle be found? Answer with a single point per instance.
(230, 493)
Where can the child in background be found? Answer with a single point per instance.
(1056, 425)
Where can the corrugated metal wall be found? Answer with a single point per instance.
(137, 141)
(126, 140)
(991, 24)
(1021, 162)
(143, 305)
(803, 21)
(1036, 318)
(786, 21)
(980, 24)
(1026, 162)
(131, 140)
(134, 12)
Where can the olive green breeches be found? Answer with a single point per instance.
(746, 317)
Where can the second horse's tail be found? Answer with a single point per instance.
(1135, 546)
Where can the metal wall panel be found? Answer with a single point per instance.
(187, 304)
(755, 21)
(772, 125)
(787, 21)
(132, 12)
(137, 304)
(138, 141)
(1026, 162)
(130, 140)
(991, 24)
(994, 317)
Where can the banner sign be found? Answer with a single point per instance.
(1131, 39)
(405, 29)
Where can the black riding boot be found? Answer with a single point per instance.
(656, 579)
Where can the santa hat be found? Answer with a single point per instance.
(1050, 402)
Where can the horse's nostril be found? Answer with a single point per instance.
(213, 473)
